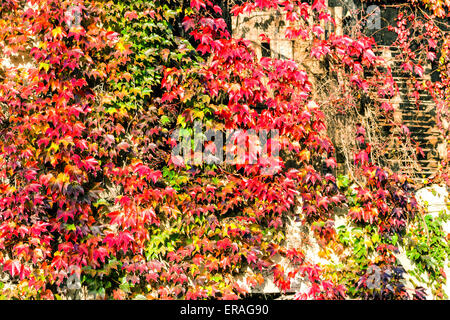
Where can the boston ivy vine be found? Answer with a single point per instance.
(89, 190)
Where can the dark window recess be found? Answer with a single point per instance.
(265, 49)
(260, 107)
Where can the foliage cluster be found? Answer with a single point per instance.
(88, 187)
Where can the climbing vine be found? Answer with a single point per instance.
(93, 202)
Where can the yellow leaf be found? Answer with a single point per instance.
(54, 147)
(44, 66)
(199, 114)
(62, 177)
(120, 46)
(57, 31)
(305, 155)
(255, 228)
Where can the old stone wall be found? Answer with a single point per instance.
(273, 25)
(420, 119)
